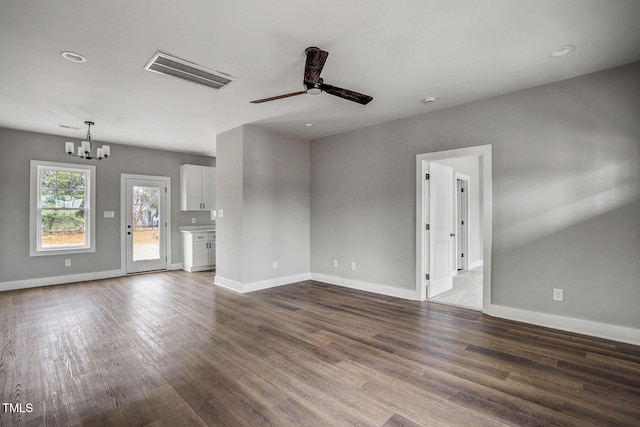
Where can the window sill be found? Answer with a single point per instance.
(70, 251)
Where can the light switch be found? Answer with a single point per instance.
(214, 214)
(108, 214)
(558, 295)
(220, 213)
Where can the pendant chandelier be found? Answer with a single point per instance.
(84, 148)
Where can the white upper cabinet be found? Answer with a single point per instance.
(208, 188)
(197, 188)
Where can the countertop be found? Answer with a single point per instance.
(197, 228)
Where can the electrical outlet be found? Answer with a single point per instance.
(193, 220)
(67, 262)
(275, 265)
(335, 263)
(353, 265)
(558, 295)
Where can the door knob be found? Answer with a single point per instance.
(452, 235)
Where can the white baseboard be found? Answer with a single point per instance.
(340, 281)
(228, 283)
(58, 280)
(196, 269)
(366, 286)
(476, 264)
(277, 281)
(569, 324)
(263, 284)
(69, 278)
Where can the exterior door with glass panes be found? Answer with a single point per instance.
(146, 224)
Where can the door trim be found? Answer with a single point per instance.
(486, 208)
(123, 213)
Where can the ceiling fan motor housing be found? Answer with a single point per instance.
(313, 89)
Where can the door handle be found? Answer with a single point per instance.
(452, 235)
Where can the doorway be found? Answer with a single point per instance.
(145, 222)
(437, 256)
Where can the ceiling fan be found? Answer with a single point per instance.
(313, 83)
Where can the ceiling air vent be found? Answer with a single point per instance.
(168, 65)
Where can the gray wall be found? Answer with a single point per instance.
(17, 148)
(263, 187)
(470, 166)
(566, 195)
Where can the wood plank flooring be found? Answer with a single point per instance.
(172, 349)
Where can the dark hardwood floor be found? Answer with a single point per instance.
(172, 349)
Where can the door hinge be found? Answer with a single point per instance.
(165, 258)
(165, 225)
(462, 190)
(461, 255)
(426, 276)
(462, 222)
(426, 176)
(427, 227)
(165, 189)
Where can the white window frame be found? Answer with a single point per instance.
(35, 220)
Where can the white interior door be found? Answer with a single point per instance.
(145, 224)
(440, 235)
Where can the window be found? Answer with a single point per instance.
(62, 219)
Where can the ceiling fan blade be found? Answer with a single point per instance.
(315, 62)
(347, 94)
(273, 98)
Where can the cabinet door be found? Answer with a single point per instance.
(208, 188)
(200, 254)
(187, 251)
(191, 188)
(212, 252)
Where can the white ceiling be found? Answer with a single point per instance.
(398, 52)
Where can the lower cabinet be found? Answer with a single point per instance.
(198, 250)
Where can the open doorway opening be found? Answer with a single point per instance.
(466, 290)
(454, 227)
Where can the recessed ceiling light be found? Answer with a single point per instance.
(72, 56)
(430, 100)
(308, 124)
(562, 50)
